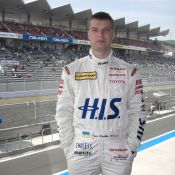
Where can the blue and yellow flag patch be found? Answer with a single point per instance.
(86, 134)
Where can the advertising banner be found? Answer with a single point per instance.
(47, 39)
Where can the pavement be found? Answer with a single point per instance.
(157, 160)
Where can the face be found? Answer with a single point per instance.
(100, 34)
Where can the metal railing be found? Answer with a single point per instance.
(26, 88)
(19, 114)
(25, 141)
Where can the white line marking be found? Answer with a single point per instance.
(30, 153)
(157, 119)
(25, 126)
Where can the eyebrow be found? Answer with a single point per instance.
(96, 27)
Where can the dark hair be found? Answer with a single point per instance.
(101, 16)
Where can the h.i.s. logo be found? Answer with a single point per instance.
(90, 110)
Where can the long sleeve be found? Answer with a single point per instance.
(65, 110)
(136, 111)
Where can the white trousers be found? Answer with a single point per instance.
(95, 156)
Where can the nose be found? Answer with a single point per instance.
(100, 33)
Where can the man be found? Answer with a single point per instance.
(100, 110)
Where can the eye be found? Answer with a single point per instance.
(94, 30)
(107, 30)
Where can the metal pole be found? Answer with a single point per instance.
(42, 135)
(19, 141)
(34, 109)
(24, 85)
(27, 110)
(52, 134)
(41, 84)
(6, 85)
(31, 138)
(6, 145)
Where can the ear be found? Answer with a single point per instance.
(113, 35)
(88, 35)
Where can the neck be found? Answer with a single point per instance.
(101, 54)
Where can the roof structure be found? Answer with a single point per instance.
(154, 32)
(62, 13)
(120, 23)
(83, 16)
(164, 33)
(144, 29)
(14, 6)
(132, 26)
(40, 9)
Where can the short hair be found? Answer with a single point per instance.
(101, 16)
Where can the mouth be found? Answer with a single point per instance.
(100, 41)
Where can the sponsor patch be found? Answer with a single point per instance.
(86, 134)
(141, 128)
(117, 81)
(143, 107)
(104, 136)
(67, 70)
(133, 71)
(83, 153)
(102, 63)
(120, 157)
(60, 89)
(117, 68)
(139, 87)
(89, 110)
(84, 145)
(117, 75)
(138, 82)
(118, 149)
(62, 81)
(85, 75)
(140, 91)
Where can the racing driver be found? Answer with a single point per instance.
(100, 109)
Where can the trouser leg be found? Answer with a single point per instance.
(83, 167)
(116, 169)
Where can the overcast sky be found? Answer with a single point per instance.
(157, 13)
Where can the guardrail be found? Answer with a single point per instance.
(30, 93)
(25, 141)
(32, 88)
(40, 88)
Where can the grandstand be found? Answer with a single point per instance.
(37, 41)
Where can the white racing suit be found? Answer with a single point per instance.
(100, 115)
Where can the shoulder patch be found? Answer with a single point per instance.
(133, 71)
(67, 70)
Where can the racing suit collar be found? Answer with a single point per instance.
(100, 62)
